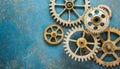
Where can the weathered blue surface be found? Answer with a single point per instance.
(22, 23)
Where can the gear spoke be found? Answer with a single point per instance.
(108, 34)
(115, 55)
(99, 49)
(88, 48)
(55, 39)
(50, 38)
(69, 16)
(76, 12)
(83, 34)
(52, 28)
(103, 56)
(117, 40)
(60, 5)
(77, 50)
(81, 52)
(90, 43)
(59, 35)
(62, 12)
(117, 48)
(53, 34)
(48, 33)
(79, 5)
(73, 40)
(101, 38)
(57, 29)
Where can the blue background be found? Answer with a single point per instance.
(22, 24)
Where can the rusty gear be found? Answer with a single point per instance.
(109, 47)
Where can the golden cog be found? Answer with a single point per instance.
(108, 48)
(52, 33)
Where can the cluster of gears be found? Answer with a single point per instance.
(84, 41)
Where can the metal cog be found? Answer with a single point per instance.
(96, 20)
(69, 6)
(52, 33)
(81, 43)
(109, 47)
(106, 8)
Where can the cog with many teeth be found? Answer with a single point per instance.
(109, 47)
(96, 20)
(69, 6)
(81, 44)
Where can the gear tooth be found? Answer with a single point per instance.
(65, 36)
(64, 42)
(69, 55)
(72, 57)
(64, 39)
(78, 59)
(67, 33)
(72, 28)
(96, 50)
(67, 52)
(69, 30)
(75, 58)
(64, 46)
(85, 59)
(98, 43)
(89, 58)
(92, 56)
(66, 49)
(82, 59)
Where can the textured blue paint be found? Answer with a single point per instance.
(22, 23)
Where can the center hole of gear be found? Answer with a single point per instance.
(53, 34)
(81, 42)
(69, 5)
(96, 19)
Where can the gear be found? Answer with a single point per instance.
(109, 47)
(81, 43)
(69, 6)
(106, 8)
(96, 20)
(53, 34)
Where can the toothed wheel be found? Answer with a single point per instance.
(96, 20)
(76, 44)
(69, 9)
(53, 34)
(109, 48)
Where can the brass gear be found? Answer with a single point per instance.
(106, 8)
(108, 48)
(96, 20)
(52, 33)
(69, 6)
(81, 43)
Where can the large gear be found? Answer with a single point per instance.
(108, 47)
(53, 34)
(69, 6)
(96, 20)
(81, 43)
(107, 9)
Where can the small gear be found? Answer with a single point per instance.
(69, 6)
(106, 8)
(96, 20)
(75, 46)
(53, 34)
(108, 47)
